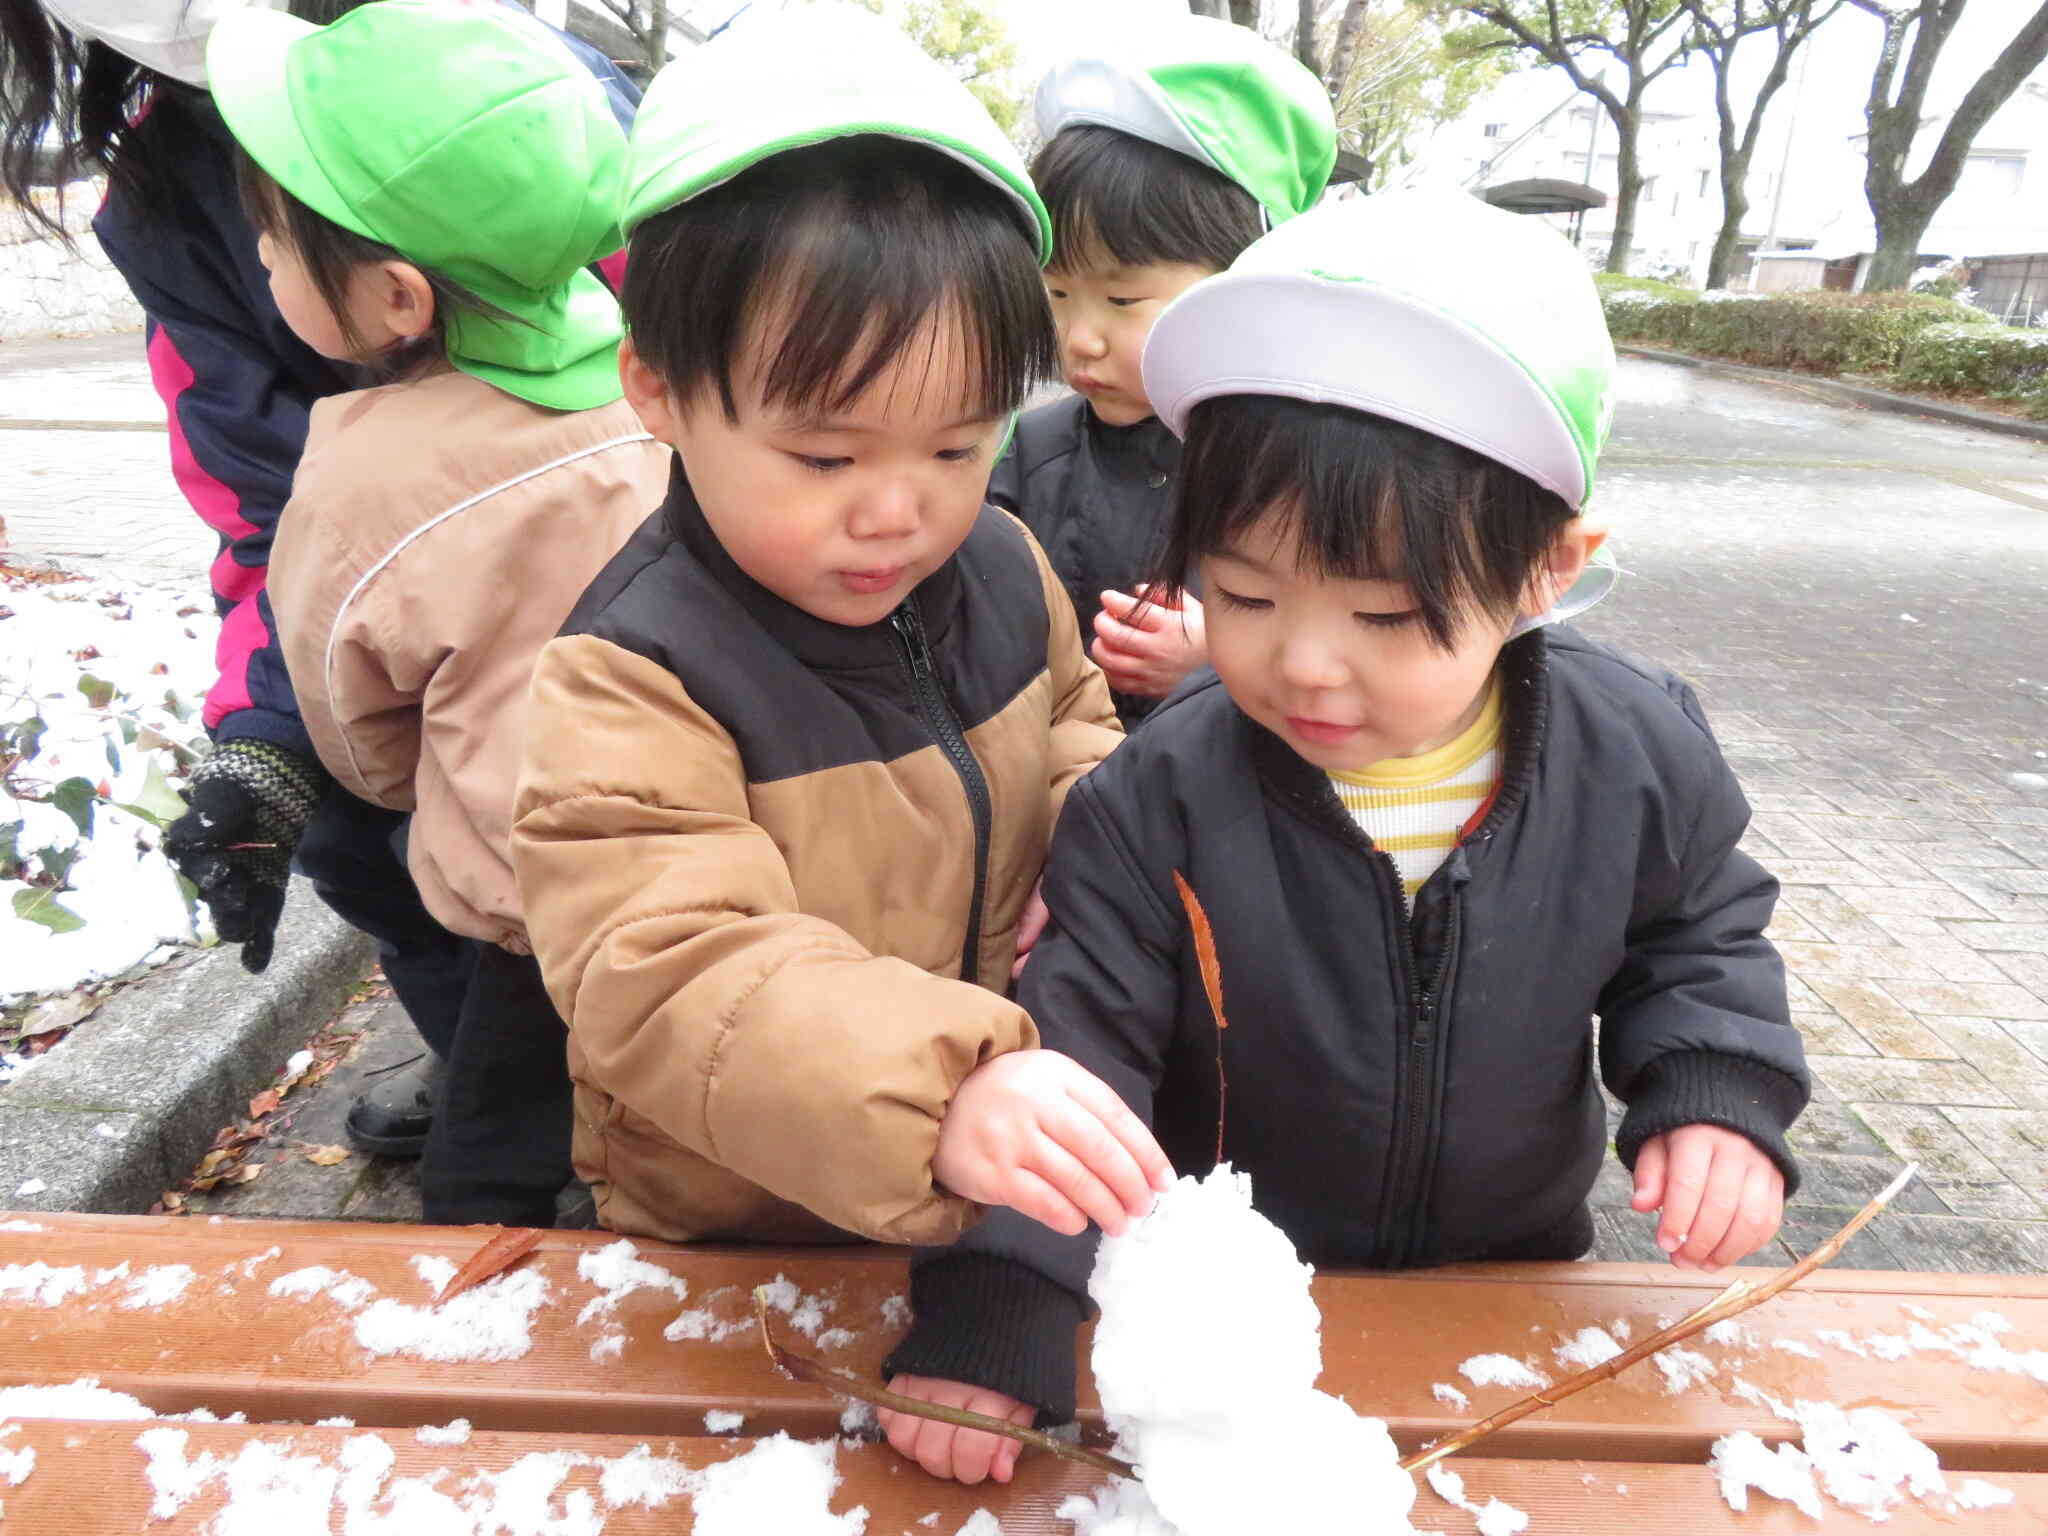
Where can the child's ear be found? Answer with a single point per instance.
(1562, 566)
(649, 395)
(405, 300)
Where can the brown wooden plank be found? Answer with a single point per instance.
(228, 1345)
(90, 1477)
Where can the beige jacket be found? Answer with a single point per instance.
(439, 532)
(760, 853)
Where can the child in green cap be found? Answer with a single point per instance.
(1165, 156)
(1435, 832)
(443, 523)
(794, 760)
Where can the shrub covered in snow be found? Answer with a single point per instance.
(2001, 361)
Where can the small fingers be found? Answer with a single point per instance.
(1136, 611)
(1649, 1175)
(1758, 1211)
(1132, 1133)
(1077, 1182)
(1028, 1194)
(1720, 1203)
(1685, 1183)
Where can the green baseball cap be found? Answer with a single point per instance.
(469, 139)
(1426, 307)
(1213, 91)
(786, 80)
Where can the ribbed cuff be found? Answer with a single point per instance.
(258, 724)
(1713, 1088)
(995, 1323)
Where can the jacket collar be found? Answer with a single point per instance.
(1524, 668)
(817, 643)
(1136, 452)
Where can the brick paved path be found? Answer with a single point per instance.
(1858, 598)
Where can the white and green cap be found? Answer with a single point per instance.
(804, 76)
(1429, 308)
(1213, 91)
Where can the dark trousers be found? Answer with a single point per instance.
(354, 853)
(499, 1149)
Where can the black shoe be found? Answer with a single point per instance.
(392, 1116)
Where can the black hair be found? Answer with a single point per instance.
(331, 254)
(1366, 499)
(1136, 203)
(859, 240)
(71, 109)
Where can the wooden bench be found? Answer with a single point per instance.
(226, 1344)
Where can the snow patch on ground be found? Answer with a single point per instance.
(618, 1271)
(1587, 1348)
(1502, 1371)
(781, 1485)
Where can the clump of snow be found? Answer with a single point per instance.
(859, 1421)
(723, 1421)
(1794, 1347)
(1449, 1395)
(158, 1285)
(454, 1432)
(435, 1270)
(704, 1323)
(608, 1346)
(1495, 1518)
(1587, 1348)
(1863, 1459)
(31, 1186)
(618, 1271)
(1975, 1493)
(896, 1312)
(1225, 1423)
(644, 1480)
(1502, 1371)
(1730, 1334)
(18, 1225)
(350, 1292)
(15, 1465)
(84, 1398)
(781, 1485)
(836, 1338)
(806, 1314)
(1683, 1368)
(981, 1523)
(1976, 1343)
(1116, 1509)
(42, 1284)
(491, 1321)
(1742, 1462)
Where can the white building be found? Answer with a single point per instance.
(1806, 177)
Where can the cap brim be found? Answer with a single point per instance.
(1377, 350)
(248, 62)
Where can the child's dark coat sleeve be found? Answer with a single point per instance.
(1001, 1307)
(1694, 1026)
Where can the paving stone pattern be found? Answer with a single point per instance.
(1856, 597)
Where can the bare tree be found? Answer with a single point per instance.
(1344, 50)
(1646, 37)
(1903, 209)
(647, 21)
(1717, 30)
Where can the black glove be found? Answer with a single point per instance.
(245, 792)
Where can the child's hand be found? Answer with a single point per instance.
(1040, 1133)
(1722, 1198)
(1029, 927)
(946, 1450)
(1147, 641)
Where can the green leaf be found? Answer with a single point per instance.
(57, 862)
(189, 894)
(44, 908)
(10, 849)
(180, 710)
(99, 693)
(158, 804)
(114, 754)
(129, 731)
(25, 737)
(75, 798)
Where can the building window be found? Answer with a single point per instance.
(1992, 175)
(1706, 180)
(1494, 130)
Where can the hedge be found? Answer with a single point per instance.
(1816, 332)
(1999, 361)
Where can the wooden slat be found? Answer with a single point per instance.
(89, 1477)
(228, 1345)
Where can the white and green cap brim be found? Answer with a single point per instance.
(1213, 91)
(1429, 308)
(786, 80)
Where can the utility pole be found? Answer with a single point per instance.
(1770, 242)
(1592, 152)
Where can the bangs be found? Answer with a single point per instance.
(817, 269)
(1362, 498)
(1120, 201)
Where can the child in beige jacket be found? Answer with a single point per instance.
(443, 524)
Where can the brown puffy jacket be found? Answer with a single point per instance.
(756, 876)
(439, 532)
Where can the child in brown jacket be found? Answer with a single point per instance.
(793, 764)
(442, 525)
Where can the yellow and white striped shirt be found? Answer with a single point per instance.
(1413, 808)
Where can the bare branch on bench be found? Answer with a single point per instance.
(844, 1384)
(507, 1246)
(1738, 1298)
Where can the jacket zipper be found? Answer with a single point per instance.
(945, 728)
(1405, 1162)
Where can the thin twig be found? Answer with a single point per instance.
(1738, 1298)
(845, 1385)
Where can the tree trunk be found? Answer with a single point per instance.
(1900, 226)
(1628, 187)
(1344, 51)
(1245, 13)
(1734, 208)
(1213, 8)
(656, 40)
(1305, 36)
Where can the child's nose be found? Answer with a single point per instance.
(1085, 341)
(1307, 663)
(886, 511)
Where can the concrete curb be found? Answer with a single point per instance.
(1853, 394)
(121, 1113)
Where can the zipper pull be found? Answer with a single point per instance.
(911, 632)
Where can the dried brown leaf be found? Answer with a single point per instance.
(264, 1103)
(60, 1013)
(1205, 947)
(500, 1253)
(248, 1173)
(327, 1157)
